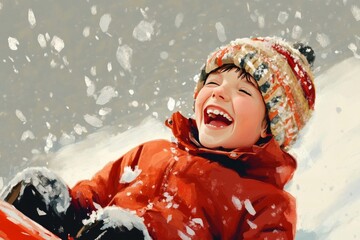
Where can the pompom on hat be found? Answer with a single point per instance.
(284, 77)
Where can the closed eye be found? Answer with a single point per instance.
(244, 91)
(208, 83)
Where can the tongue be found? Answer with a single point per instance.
(217, 123)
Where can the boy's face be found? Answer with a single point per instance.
(230, 111)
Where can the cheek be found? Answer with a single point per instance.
(200, 100)
(198, 107)
(249, 110)
(199, 103)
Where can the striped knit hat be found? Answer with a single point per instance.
(283, 75)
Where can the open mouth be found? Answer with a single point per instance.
(216, 117)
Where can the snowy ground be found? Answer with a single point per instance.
(326, 183)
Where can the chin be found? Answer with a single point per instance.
(209, 142)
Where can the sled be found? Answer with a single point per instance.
(14, 225)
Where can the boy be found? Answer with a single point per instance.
(224, 176)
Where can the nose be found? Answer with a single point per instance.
(220, 93)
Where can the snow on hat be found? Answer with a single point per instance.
(284, 77)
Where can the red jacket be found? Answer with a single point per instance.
(187, 190)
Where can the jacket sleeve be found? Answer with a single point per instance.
(104, 184)
(274, 218)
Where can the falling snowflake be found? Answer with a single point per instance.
(31, 18)
(57, 43)
(13, 43)
(143, 31)
(104, 23)
(93, 120)
(171, 104)
(220, 30)
(179, 19)
(124, 56)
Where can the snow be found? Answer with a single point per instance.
(49, 142)
(169, 218)
(106, 94)
(283, 17)
(130, 175)
(171, 42)
(220, 30)
(57, 43)
(261, 21)
(179, 19)
(54, 193)
(355, 10)
(93, 70)
(104, 111)
(198, 221)
(251, 224)
(93, 120)
(326, 182)
(298, 15)
(13, 43)
(164, 55)
(42, 40)
(237, 203)
(249, 207)
(93, 10)
(90, 86)
(143, 12)
(86, 31)
(123, 56)
(115, 216)
(109, 66)
(183, 236)
(171, 104)
(27, 135)
(79, 129)
(323, 39)
(20, 116)
(31, 18)
(143, 31)
(104, 23)
(190, 231)
(296, 32)
(66, 139)
(134, 103)
(353, 48)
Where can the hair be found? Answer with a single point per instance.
(229, 67)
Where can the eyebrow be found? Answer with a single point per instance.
(242, 74)
(247, 77)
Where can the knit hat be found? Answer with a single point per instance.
(284, 77)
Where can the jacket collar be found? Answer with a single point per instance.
(267, 163)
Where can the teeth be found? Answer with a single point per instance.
(212, 112)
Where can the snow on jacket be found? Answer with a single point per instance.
(184, 191)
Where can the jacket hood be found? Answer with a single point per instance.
(267, 162)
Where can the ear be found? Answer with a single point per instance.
(264, 127)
